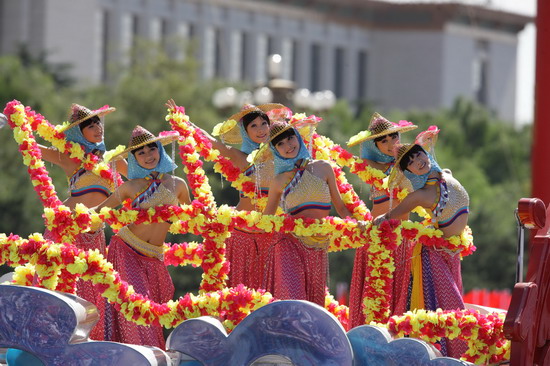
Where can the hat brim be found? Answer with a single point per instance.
(97, 112)
(233, 136)
(386, 132)
(399, 158)
(164, 140)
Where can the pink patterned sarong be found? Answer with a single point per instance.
(443, 284)
(401, 277)
(86, 289)
(357, 287)
(247, 253)
(150, 278)
(296, 271)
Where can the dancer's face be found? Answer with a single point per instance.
(93, 132)
(419, 163)
(258, 130)
(387, 144)
(148, 156)
(288, 147)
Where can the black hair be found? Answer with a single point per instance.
(404, 162)
(151, 145)
(249, 117)
(282, 136)
(89, 121)
(380, 138)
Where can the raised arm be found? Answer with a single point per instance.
(423, 197)
(183, 192)
(335, 196)
(52, 155)
(235, 155)
(376, 165)
(118, 196)
(274, 196)
(122, 167)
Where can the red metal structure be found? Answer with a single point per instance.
(540, 161)
(527, 323)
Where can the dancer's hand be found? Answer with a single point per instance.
(3, 120)
(380, 219)
(170, 104)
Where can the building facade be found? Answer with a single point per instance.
(391, 55)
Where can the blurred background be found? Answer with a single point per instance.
(466, 66)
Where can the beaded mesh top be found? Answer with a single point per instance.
(310, 192)
(456, 198)
(156, 194)
(83, 181)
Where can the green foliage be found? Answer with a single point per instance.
(489, 157)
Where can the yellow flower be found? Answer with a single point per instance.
(359, 137)
(224, 127)
(110, 153)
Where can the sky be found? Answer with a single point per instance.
(526, 51)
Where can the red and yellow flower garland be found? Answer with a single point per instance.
(343, 158)
(483, 333)
(61, 260)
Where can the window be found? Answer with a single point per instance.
(480, 70)
(315, 71)
(246, 60)
(288, 56)
(235, 72)
(218, 54)
(362, 75)
(295, 61)
(339, 72)
(104, 26)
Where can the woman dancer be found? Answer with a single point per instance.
(136, 251)
(85, 128)
(377, 148)
(246, 250)
(447, 202)
(297, 267)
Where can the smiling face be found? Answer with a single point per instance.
(288, 147)
(419, 163)
(258, 130)
(147, 156)
(386, 143)
(93, 130)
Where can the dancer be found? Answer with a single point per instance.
(297, 267)
(136, 251)
(377, 148)
(246, 250)
(447, 202)
(85, 128)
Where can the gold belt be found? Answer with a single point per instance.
(316, 242)
(149, 250)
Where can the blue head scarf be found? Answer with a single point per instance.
(287, 164)
(164, 165)
(418, 181)
(370, 151)
(247, 145)
(74, 134)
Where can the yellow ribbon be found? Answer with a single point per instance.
(417, 296)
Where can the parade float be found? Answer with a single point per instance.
(240, 326)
